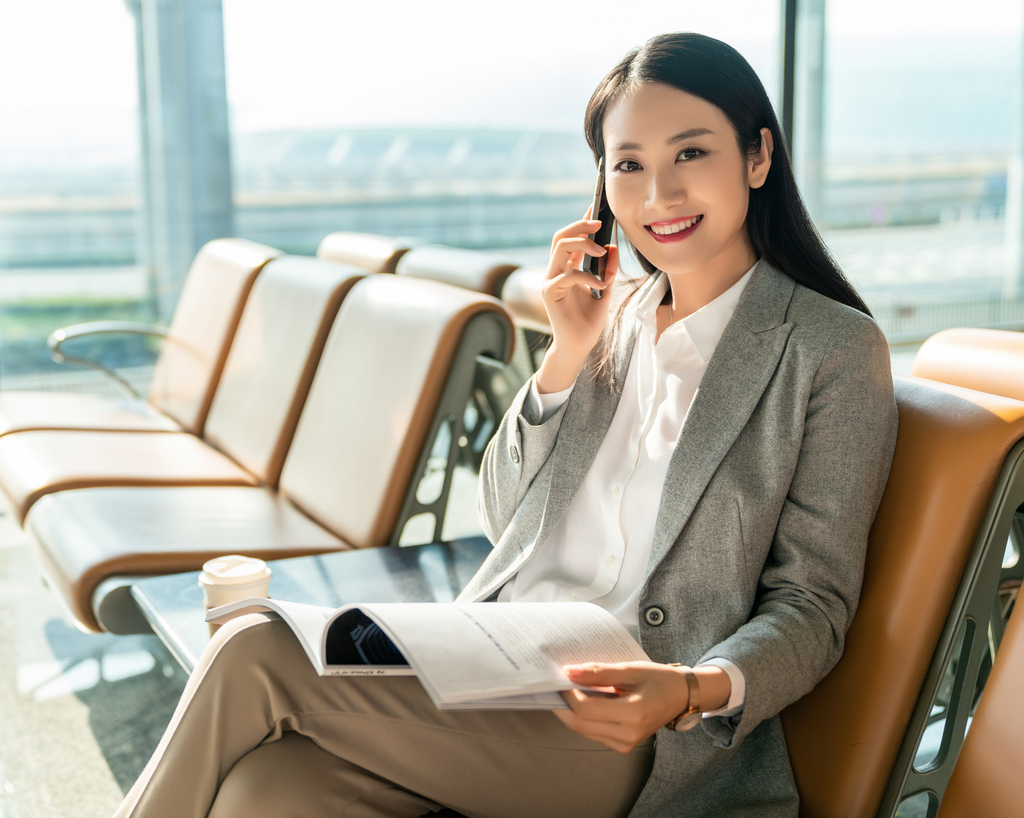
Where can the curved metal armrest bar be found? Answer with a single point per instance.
(59, 336)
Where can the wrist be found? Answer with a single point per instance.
(715, 687)
(558, 370)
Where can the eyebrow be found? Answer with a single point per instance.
(679, 137)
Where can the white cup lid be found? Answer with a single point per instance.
(233, 570)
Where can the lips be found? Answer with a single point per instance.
(674, 230)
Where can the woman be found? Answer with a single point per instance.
(706, 465)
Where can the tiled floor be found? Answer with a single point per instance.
(79, 713)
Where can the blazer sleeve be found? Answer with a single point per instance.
(511, 461)
(810, 584)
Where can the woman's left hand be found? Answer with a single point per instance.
(647, 696)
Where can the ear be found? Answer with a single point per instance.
(760, 164)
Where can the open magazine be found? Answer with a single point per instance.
(470, 656)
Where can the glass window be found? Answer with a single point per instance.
(68, 157)
(451, 123)
(919, 111)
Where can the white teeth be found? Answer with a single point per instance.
(675, 227)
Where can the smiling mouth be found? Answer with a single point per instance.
(674, 230)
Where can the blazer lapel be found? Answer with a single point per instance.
(737, 375)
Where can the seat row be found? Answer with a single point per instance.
(294, 409)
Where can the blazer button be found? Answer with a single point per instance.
(513, 453)
(654, 616)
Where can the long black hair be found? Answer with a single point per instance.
(779, 227)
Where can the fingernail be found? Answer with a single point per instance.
(601, 251)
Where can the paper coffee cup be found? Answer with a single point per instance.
(228, 579)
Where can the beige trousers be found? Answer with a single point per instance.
(258, 734)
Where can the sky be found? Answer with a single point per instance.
(331, 63)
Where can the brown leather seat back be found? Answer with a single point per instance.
(845, 735)
(989, 360)
(272, 360)
(373, 400)
(521, 294)
(376, 254)
(203, 326)
(474, 270)
(986, 778)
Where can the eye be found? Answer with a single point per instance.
(686, 154)
(628, 165)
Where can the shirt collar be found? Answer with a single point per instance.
(704, 327)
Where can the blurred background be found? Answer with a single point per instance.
(132, 131)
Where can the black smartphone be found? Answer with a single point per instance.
(595, 265)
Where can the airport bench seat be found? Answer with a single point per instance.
(92, 543)
(189, 365)
(372, 252)
(253, 412)
(481, 271)
(521, 294)
(933, 563)
(988, 360)
(476, 270)
(397, 367)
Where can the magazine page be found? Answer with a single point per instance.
(475, 652)
(310, 625)
(552, 700)
(481, 655)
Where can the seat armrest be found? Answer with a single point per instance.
(59, 336)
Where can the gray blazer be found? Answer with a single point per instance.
(759, 546)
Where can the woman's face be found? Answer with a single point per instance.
(677, 182)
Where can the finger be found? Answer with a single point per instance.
(609, 736)
(602, 675)
(579, 700)
(565, 283)
(584, 227)
(571, 249)
(612, 710)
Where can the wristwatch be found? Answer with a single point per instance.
(690, 717)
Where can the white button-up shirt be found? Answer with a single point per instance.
(600, 549)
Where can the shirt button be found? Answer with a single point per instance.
(615, 491)
(513, 452)
(654, 616)
(610, 561)
(570, 599)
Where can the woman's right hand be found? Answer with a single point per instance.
(577, 318)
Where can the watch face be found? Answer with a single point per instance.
(688, 721)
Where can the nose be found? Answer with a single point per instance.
(665, 187)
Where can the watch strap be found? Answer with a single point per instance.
(690, 717)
